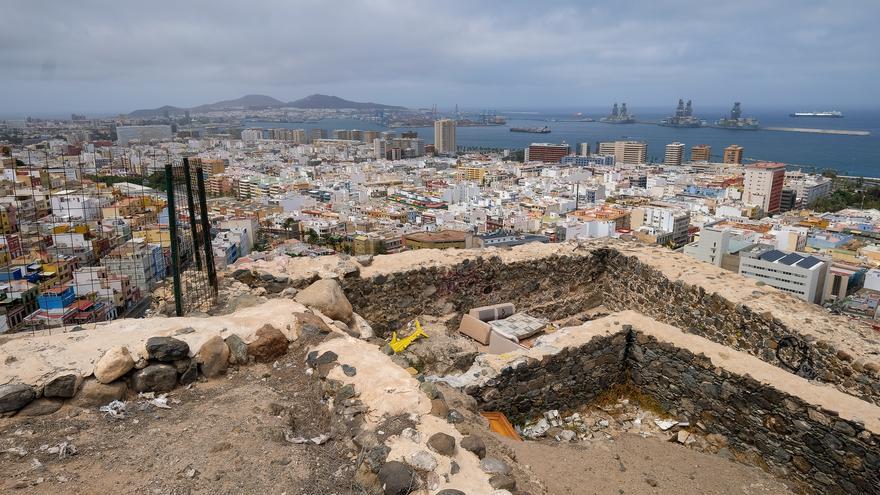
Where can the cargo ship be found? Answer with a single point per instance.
(736, 121)
(833, 114)
(684, 117)
(619, 116)
(533, 130)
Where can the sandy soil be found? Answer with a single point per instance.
(633, 464)
(222, 436)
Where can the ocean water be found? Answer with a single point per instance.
(848, 155)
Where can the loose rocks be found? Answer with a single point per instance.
(154, 378)
(397, 478)
(422, 461)
(14, 396)
(474, 444)
(327, 297)
(113, 364)
(167, 348)
(492, 465)
(442, 444)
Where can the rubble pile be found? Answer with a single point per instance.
(607, 423)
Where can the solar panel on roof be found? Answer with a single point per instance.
(771, 255)
(809, 262)
(790, 259)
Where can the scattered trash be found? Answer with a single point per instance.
(552, 417)
(36, 465)
(536, 430)
(64, 449)
(115, 409)
(399, 345)
(665, 424)
(318, 440)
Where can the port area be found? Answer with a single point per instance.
(841, 132)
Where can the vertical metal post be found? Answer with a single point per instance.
(172, 228)
(192, 213)
(206, 229)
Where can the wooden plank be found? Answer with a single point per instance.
(499, 424)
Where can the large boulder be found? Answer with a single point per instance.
(63, 386)
(113, 364)
(154, 378)
(327, 297)
(396, 478)
(167, 349)
(213, 357)
(14, 396)
(270, 344)
(95, 393)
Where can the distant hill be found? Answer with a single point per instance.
(263, 101)
(157, 112)
(247, 101)
(325, 101)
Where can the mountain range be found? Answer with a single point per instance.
(257, 102)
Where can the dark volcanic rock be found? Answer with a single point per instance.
(14, 396)
(167, 349)
(154, 378)
(397, 478)
(63, 386)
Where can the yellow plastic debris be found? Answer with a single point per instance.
(398, 345)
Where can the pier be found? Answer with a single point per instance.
(841, 132)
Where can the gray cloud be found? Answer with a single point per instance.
(102, 56)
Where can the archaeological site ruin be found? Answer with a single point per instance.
(603, 367)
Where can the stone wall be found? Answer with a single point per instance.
(797, 440)
(554, 287)
(631, 284)
(813, 446)
(571, 279)
(574, 376)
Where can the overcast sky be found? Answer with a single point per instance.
(103, 56)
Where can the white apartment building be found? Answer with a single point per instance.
(444, 136)
(674, 154)
(626, 152)
(667, 219)
(801, 275)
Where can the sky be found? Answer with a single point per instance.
(100, 57)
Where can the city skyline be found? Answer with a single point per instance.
(112, 59)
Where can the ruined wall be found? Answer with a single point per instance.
(554, 287)
(574, 376)
(796, 439)
(631, 284)
(816, 447)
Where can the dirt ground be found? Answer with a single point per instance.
(225, 436)
(635, 465)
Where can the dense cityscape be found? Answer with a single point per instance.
(86, 224)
